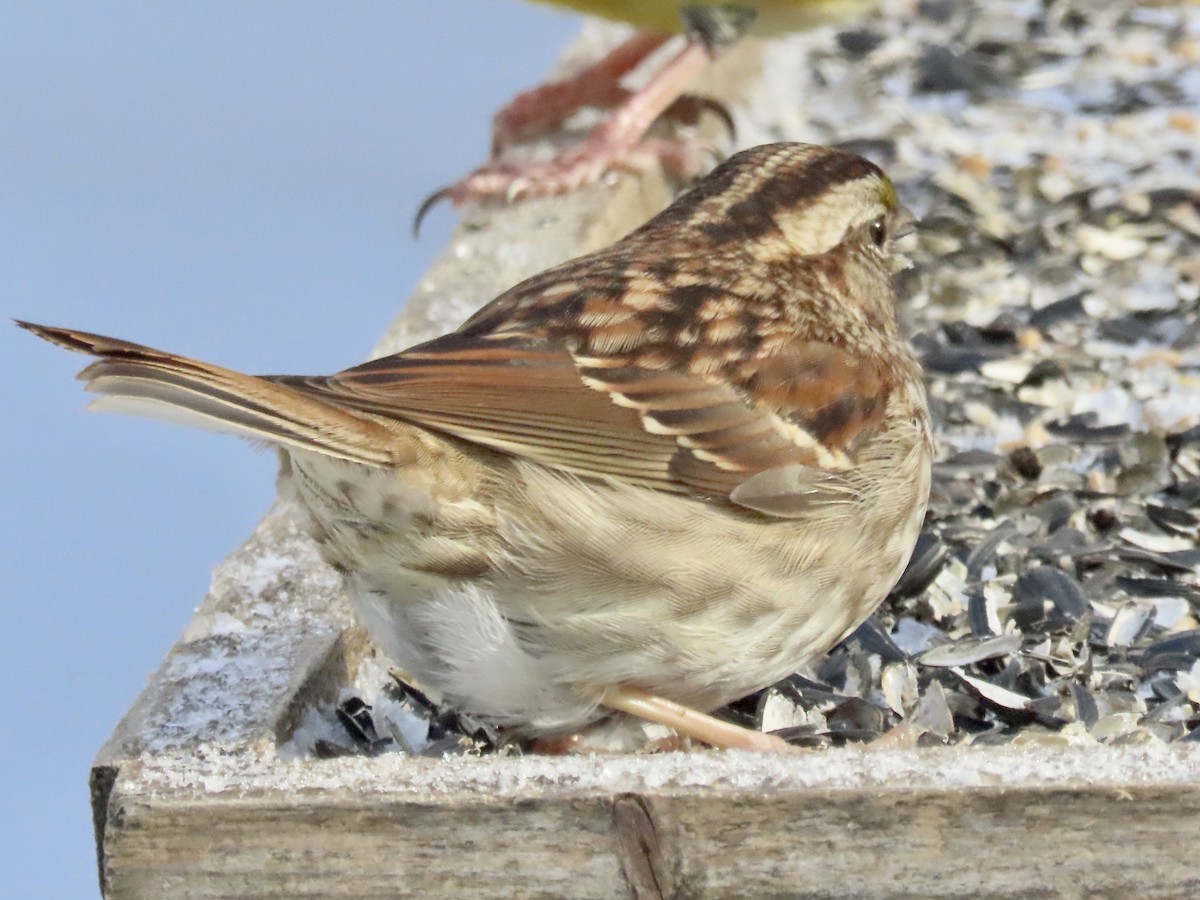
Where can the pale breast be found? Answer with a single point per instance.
(522, 598)
(691, 599)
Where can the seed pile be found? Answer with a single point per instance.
(1052, 151)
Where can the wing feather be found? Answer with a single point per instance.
(514, 393)
(607, 416)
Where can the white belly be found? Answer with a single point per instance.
(524, 608)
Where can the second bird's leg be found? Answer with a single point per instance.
(619, 143)
(549, 105)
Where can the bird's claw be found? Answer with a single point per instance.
(586, 164)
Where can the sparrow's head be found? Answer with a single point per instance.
(780, 201)
(782, 243)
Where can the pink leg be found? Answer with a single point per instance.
(693, 723)
(549, 105)
(615, 145)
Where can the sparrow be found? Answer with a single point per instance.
(620, 142)
(652, 480)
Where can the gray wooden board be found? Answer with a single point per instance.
(946, 822)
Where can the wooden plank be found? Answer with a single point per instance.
(1013, 822)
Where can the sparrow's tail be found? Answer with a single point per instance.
(136, 379)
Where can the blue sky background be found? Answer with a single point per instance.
(231, 180)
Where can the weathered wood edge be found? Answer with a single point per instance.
(799, 827)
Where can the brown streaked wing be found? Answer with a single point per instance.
(721, 438)
(805, 410)
(514, 393)
(835, 396)
(592, 416)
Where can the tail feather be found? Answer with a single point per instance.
(142, 380)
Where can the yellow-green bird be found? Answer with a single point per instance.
(620, 142)
(771, 16)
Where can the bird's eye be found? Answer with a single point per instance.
(879, 233)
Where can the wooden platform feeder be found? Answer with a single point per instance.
(190, 797)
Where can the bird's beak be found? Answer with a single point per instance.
(904, 223)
